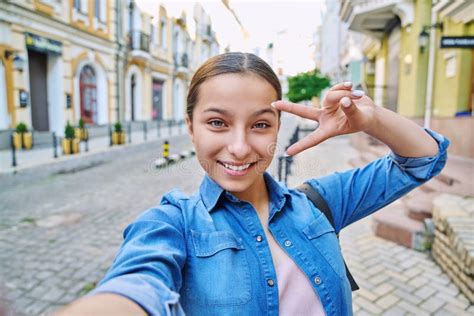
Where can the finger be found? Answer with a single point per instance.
(350, 109)
(309, 141)
(297, 109)
(342, 86)
(335, 96)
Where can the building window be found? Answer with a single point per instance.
(152, 34)
(100, 7)
(163, 33)
(97, 9)
(83, 6)
(77, 5)
(88, 94)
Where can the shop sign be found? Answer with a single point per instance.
(457, 42)
(43, 44)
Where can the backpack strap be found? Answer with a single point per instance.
(321, 204)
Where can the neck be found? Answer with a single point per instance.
(256, 194)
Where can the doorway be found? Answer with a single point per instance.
(88, 93)
(37, 63)
(393, 68)
(157, 100)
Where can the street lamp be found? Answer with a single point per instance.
(18, 63)
(423, 39)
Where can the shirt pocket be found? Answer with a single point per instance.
(218, 272)
(324, 239)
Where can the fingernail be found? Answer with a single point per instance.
(357, 93)
(286, 155)
(273, 104)
(347, 84)
(346, 102)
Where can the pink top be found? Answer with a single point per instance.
(296, 295)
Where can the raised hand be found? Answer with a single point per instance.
(344, 111)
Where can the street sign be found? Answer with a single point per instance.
(457, 42)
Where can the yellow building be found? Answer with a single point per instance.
(148, 65)
(65, 61)
(407, 69)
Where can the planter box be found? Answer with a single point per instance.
(70, 146)
(23, 140)
(118, 138)
(81, 133)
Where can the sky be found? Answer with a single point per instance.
(290, 25)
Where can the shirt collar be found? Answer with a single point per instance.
(211, 192)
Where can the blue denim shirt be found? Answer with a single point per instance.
(207, 254)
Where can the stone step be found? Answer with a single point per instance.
(392, 223)
(419, 204)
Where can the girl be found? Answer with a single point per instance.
(245, 244)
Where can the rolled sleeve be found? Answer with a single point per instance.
(424, 168)
(148, 292)
(147, 268)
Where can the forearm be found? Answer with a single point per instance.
(102, 304)
(401, 135)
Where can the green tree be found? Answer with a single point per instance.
(305, 86)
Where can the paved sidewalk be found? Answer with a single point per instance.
(40, 156)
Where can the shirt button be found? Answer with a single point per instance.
(259, 238)
(317, 280)
(270, 283)
(288, 243)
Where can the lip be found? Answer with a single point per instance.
(237, 173)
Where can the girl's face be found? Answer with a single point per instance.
(234, 130)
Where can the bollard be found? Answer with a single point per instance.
(280, 158)
(110, 135)
(55, 146)
(145, 131)
(288, 162)
(129, 129)
(13, 151)
(87, 142)
(166, 150)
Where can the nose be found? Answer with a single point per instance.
(239, 146)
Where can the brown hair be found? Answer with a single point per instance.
(235, 62)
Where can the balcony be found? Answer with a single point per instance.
(137, 40)
(181, 63)
(374, 17)
(181, 60)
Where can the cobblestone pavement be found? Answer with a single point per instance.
(59, 233)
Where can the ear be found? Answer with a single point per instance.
(189, 125)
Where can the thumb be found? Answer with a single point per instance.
(349, 108)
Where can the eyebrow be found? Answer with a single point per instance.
(225, 112)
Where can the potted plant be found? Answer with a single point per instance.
(81, 132)
(22, 138)
(70, 144)
(118, 135)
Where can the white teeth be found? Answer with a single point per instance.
(236, 168)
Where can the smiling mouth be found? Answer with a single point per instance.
(236, 168)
